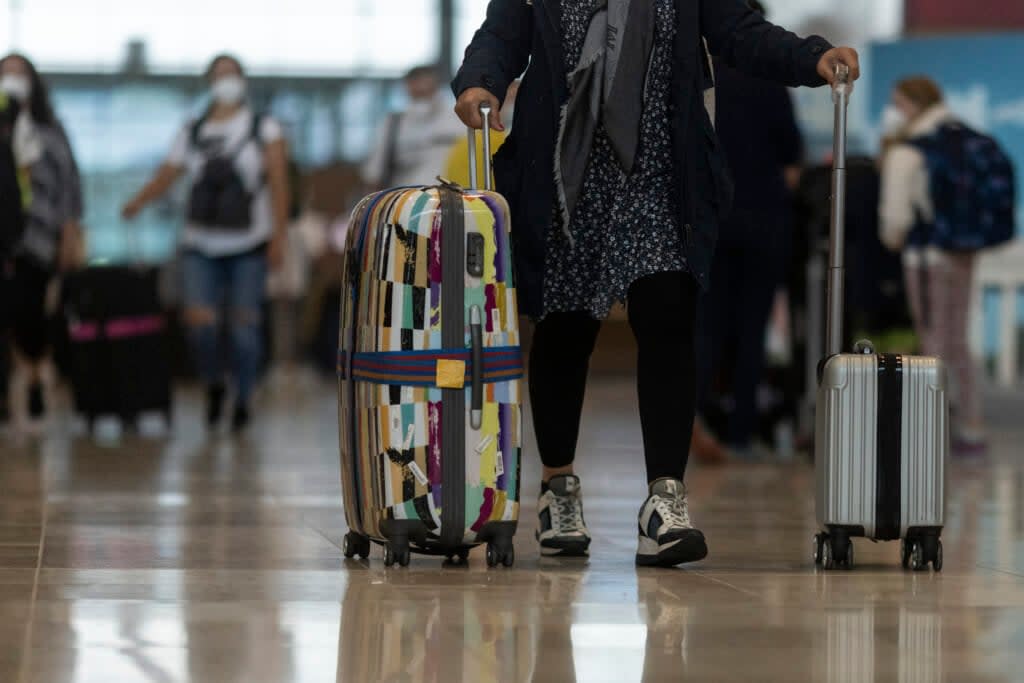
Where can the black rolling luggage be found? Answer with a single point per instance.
(117, 358)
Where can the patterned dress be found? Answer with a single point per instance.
(624, 227)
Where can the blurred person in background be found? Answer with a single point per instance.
(764, 154)
(938, 280)
(236, 161)
(51, 239)
(616, 185)
(457, 168)
(412, 146)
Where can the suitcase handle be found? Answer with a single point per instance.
(837, 228)
(476, 334)
(485, 114)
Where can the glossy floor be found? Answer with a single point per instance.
(218, 561)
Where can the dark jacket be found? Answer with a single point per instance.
(521, 33)
(758, 150)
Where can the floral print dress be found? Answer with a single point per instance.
(624, 227)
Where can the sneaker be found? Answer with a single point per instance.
(667, 536)
(214, 404)
(562, 530)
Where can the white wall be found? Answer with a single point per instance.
(339, 36)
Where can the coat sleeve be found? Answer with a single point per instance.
(904, 195)
(499, 51)
(745, 40)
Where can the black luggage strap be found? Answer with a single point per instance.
(889, 450)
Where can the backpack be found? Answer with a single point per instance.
(12, 214)
(219, 197)
(973, 189)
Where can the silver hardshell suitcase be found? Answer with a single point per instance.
(881, 425)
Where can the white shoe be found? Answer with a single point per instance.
(562, 531)
(667, 536)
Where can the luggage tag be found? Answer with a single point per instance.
(451, 374)
(413, 466)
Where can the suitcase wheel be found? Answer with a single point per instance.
(396, 551)
(501, 552)
(833, 551)
(459, 559)
(354, 544)
(918, 553)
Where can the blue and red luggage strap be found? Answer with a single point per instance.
(419, 368)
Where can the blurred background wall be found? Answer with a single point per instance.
(126, 75)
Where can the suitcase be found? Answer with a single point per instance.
(429, 367)
(116, 344)
(882, 427)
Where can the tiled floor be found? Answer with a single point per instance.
(217, 561)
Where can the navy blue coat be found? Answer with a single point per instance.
(521, 33)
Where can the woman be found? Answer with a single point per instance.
(50, 240)
(938, 281)
(627, 212)
(238, 213)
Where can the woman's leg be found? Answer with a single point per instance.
(559, 361)
(203, 290)
(662, 313)
(30, 342)
(758, 281)
(246, 295)
(918, 285)
(953, 296)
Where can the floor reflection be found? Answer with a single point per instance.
(216, 560)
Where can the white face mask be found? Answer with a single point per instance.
(228, 90)
(16, 86)
(893, 120)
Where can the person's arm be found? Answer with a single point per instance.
(157, 187)
(165, 176)
(71, 207)
(745, 40)
(789, 140)
(374, 168)
(901, 170)
(497, 55)
(276, 160)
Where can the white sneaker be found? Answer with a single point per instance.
(562, 531)
(667, 536)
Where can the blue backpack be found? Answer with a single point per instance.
(972, 187)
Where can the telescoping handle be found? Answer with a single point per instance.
(837, 228)
(485, 114)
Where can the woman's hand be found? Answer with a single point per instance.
(835, 56)
(70, 254)
(468, 108)
(276, 250)
(131, 209)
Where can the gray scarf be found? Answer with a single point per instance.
(607, 86)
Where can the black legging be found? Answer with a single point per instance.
(662, 313)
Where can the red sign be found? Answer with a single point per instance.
(958, 15)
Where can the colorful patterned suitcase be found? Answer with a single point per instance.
(882, 427)
(429, 369)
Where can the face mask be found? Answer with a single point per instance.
(228, 90)
(16, 86)
(893, 120)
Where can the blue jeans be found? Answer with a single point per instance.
(231, 289)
